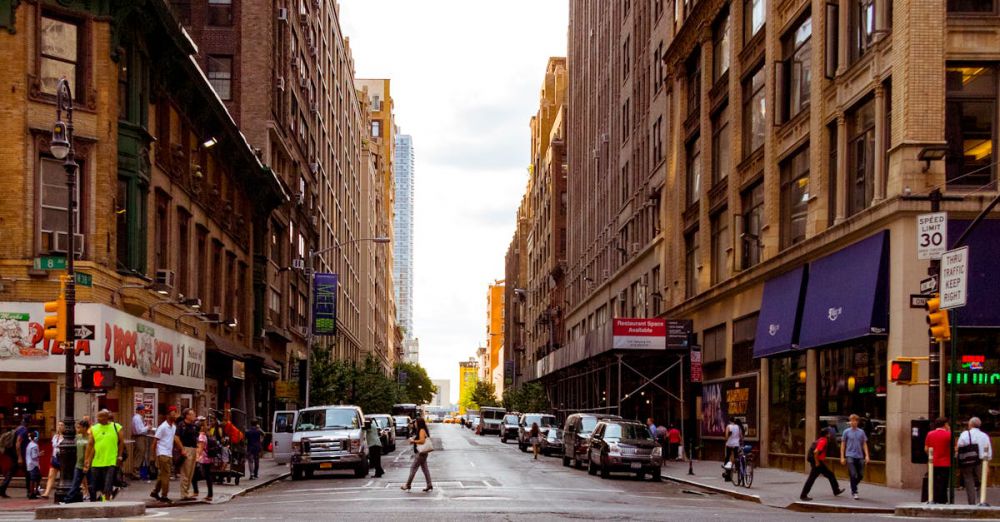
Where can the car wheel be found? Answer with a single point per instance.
(565, 461)
(657, 475)
(604, 472)
(522, 447)
(640, 475)
(296, 473)
(362, 470)
(503, 440)
(308, 473)
(577, 464)
(591, 470)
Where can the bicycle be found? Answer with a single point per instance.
(744, 466)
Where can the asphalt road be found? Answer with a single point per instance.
(479, 478)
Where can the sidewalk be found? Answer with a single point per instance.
(779, 488)
(138, 491)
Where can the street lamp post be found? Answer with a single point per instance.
(61, 147)
(311, 274)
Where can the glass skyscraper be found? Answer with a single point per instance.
(403, 228)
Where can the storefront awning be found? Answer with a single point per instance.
(780, 308)
(846, 294)
(981, 308)
(219, 343)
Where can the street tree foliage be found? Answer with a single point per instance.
(484, 394)
(417, 387)
(363, 384)
(527, 398)
(465, 399)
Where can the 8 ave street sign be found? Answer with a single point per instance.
(932, 235)
(954, 278)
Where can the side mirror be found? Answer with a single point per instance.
(368, 424)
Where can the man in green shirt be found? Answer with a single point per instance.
(104, 451)
(74, 495)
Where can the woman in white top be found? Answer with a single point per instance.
(57, 439)
(734, 440)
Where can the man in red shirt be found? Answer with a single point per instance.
(939, 439)
(818, 463)
(674, 439)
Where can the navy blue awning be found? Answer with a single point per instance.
(982, 307)
(780, 308)
(847, 294)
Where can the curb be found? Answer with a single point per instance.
(946, 511)
(819, 507)
(735, 494)
(91, 510)
(259, 485)
(251, 489)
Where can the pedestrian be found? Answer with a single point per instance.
(104, 451)
(533, 438)
(674, 439)
(661, 439)
(204, 458)
(79, 475)
(255, 445)
(187, 432)
(54, 464)
(166, 441)
(16, 453)
(420, 442)
(971, 461)
(817, 461)
(854, 453)
(374, 448)
(31, 465)
(651, 427)
(734, 441)
(140, 433)
(939, 439)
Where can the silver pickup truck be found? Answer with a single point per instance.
(329, 438)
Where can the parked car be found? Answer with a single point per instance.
(492, 419)
(626, 446)
(509, 429)
(552, 442)
(576, 432)
(471, 416)
(475, 423)
(329, 438)
(544, 420)
(402, 426)
(386, 430)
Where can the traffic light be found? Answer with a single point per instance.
(902, 372)
(55, 318)
(937, 319)
(98, 379)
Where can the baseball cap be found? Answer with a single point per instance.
(140, 407)
(171, 408)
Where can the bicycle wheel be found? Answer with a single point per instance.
(738, 472)
(748, 473)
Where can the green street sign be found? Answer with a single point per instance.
(50, 263)
(83, 279)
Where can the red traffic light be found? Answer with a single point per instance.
(98, 378)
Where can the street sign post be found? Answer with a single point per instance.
(932, 235)
(954, 278)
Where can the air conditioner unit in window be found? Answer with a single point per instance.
(59, 242)
(312, 50)
(283, 14)
(303, 18)
(604, 274)
(313, 108)
(164, 277)
(300, 198)
(303, 82)
(299, 264)
(281, 83)
(314, 167)
(636, 247)
(604, 137)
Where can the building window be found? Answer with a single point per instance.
(796, 69)
(220, 75)
(744, 331)
(220, 12)
(852, 379)
(626, 127)
(130, 223)
(970, 122)
(658, 58)
(754, 12)
(218, 274)
(863, 27)
(60, 52)
(754, 112)
(721, 147)
(861, 160)
(162, 231)
(720, 48)
(714, 351)
(183, 252)
(787, 399)
(831, 175)
(794, 197)
(971, 6)
(691, 263)
(753, 221)
(656, 293)
(721, 244)
(625, 57)
(54, 204)
(202, 264)
(376, 128)
(694, 83)
(658, 140)
(693, 171)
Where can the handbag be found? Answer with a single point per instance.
(968, 455)
(426, 447)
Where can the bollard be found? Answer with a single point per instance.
(982, 487)
(930, 475)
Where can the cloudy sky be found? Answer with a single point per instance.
(465, 80)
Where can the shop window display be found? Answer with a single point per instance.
(787, 408)
(977, 376)
(852, 379)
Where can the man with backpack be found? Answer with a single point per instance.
(817, 461)
(14, 443)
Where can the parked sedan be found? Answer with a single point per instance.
(625, 446)
(402, 426)
(386, 430)
(552, 443)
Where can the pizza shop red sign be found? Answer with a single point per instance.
(639, 334)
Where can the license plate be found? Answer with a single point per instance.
(637, 465)
(325, 465)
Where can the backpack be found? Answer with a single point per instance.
(7, 440)
(811, 453)
(213, 448)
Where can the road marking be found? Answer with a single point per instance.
(370, 482)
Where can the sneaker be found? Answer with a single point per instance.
(838, 492)
(805, 498)
(155, 495)
(856, 496)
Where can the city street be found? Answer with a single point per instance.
(479, 477)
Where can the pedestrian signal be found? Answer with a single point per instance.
(98, 379)
(902, 372)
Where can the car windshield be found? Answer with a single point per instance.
(493, 414)
(627, 432)
(587, 424)
(544, 421)
(510, 419)
(381, 422)
(402, 420)
(315, 420)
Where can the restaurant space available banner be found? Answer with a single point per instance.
(324, 304)
(639, 334)
(729, 399)
(135, 348)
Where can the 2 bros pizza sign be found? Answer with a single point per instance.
(136, 349)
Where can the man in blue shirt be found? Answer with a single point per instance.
(854, 453)
(17, 457)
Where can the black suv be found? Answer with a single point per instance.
(626, 446)
(576, 432)
(508, 430)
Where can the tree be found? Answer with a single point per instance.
(485, 394)
(527, 398)
(374, 391)
(330, 380)
(416, 387)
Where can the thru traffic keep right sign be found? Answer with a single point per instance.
(954, 278)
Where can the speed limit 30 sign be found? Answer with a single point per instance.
(932, 235)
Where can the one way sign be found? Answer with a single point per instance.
(84, 332)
